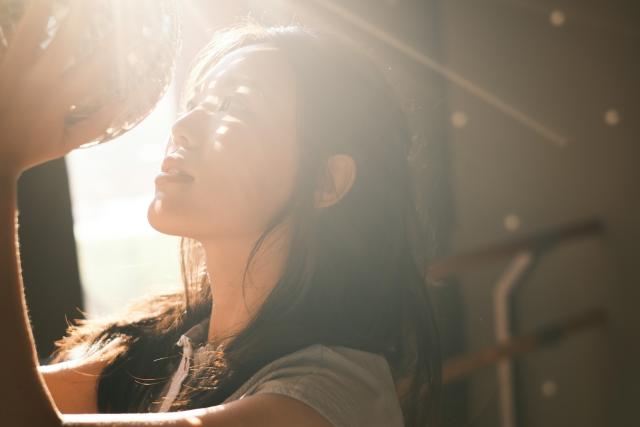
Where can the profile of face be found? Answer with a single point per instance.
(237, 144)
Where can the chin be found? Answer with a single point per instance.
(162, 221)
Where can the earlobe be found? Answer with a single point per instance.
(340, 176)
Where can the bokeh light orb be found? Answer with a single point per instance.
(141, 39)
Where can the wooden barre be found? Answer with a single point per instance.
(460, 367)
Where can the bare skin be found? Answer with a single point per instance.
(238, 142)
(32, 120)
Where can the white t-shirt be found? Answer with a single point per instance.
(348, 387)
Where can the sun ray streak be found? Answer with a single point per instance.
(452, 76)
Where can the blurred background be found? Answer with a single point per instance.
(525, 120)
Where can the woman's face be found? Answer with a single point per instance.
(237, 143)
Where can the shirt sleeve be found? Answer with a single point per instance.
(349, 387)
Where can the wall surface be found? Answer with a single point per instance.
(546, 133)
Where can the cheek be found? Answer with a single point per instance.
(273, 176)
(248, 180)
(276, 166)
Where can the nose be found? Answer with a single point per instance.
(183, 135)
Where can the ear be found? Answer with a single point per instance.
(340, 176)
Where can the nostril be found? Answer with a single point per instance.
(176, 142)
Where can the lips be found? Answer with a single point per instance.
(173, 170)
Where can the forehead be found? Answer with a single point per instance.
(261, 65)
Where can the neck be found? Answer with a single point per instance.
(233, 308)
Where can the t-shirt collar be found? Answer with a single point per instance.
(197, 334)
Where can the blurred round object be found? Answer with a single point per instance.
(512, 222)
(141, 37)
(611, 117)
(459, 119)
(557, 18)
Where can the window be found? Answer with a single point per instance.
(121, 257)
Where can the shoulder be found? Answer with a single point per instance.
(73, 384)
(345, 385)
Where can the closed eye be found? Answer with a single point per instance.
(226, 103)
(214, 104)
(190, 105)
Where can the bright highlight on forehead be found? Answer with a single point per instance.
(231, 73)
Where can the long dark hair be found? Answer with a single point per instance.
(354, 276)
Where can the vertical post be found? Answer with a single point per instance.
(502, 308)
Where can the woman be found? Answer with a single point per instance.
(304, 300)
